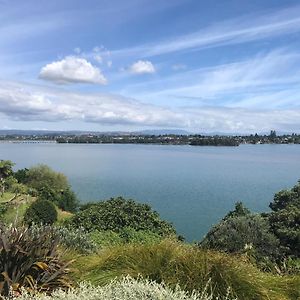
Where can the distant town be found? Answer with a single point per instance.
(161, 139)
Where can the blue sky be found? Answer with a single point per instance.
(203, 66)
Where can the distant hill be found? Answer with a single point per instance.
(78, 132)
(162, 131)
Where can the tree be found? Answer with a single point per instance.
(5, 172)
(52, 186)
(68, 201)
(236, 234)
(285, 219)
(118, 213)
(272, 135)
(284, 198)
(41, 175)
(21, 175)
(239, 211)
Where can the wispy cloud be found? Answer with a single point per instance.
(239, 30)
(234, 84)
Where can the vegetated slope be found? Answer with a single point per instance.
(192, 268)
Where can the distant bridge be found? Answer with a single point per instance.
(27, 141)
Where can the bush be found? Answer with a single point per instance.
(41, 212)
(76, 239)
(52, 186)
(29, 259)
(285, 219)
(239, 234)
(190, 267)
(126, 289)
(21, 175)
(118, 213)
(68, 201)
(41, 175)
(127, 235)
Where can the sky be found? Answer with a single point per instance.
(229, 66)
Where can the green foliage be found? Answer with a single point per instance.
(6, 168)
(42, 176)
(125, 289)
(29, 259)
(190, 267)
(68, 201)
(239, 211)
(239, 234)
(5, 175)
(41, 212)
(127, 235)
(118, 213)
(285, 219)
(76, 239)
(3, 208)
(285, 223)
(52, 186)
(21, 175)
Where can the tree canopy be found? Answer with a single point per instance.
(118, 213)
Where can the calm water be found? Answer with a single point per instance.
(193, 187)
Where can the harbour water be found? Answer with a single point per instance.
(193, 187)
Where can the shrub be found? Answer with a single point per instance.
(239, 211)
(285, 219)
(68, 201)
(41, 212)
(125, 289)
(52, 186)
(237, 234)
(285, 224)
(127, 235)
(29, 259)
(21, 175)
(77, 239)
(118, 213)
(41, 175)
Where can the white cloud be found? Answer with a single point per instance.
(22, 102)
(142, 67)
(72, 69)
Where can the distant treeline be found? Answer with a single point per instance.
(166, 139)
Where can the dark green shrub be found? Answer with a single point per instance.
(239, 211)
(68, 201)
(285, 198)
(285, 220)
(29, 259)
(285, 224)
(239, 234)
(41, 212)
(118, 213)
(21, 175)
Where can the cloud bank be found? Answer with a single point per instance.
(29, 103)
